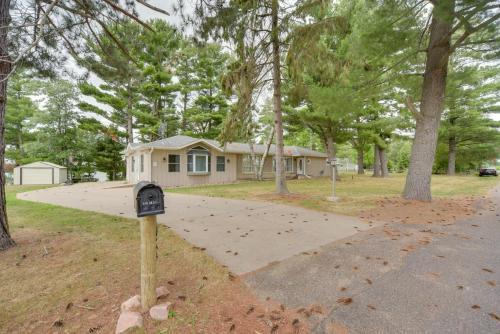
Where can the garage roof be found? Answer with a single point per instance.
(42, 164)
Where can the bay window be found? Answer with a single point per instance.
(198, 160)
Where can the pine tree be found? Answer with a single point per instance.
(19, 110)
(209, 105)
(470, 100)
(120, 75)
(455, 24)
(156, 111)
(184, 63)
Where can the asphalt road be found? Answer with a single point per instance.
(397, 278)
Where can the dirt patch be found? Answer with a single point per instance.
(292, 197)
(439, 211)
(59, 282)
(337, 328)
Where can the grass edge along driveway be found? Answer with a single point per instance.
(356, 192)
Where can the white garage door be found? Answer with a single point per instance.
(36, 176)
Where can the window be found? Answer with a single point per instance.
(142, 163)
(247, 166)
(133, 164)
(288, 164)
(174, 163)
(198, 160)
(221, 164)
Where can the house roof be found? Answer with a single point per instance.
(42, 164)
(180, 142)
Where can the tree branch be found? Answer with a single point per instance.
(413, 109)
(150, 6)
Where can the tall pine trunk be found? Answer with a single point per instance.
(361, 160)
(331, 152)
(253, 157)
(269, 140)
(184, 112)
(377, 170)
(418, 181)
(281, 187)
(384, 170)
(130, 130)
(452, 155)
(6, 240)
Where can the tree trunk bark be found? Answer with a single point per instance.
(361, 160)
(418, 181)
(264, 156)
(20, 142)
(254, 159)
(331, 152)
(130, 130)
(452, 155)
(184, 111)
(280, 176)
(377, 171)
(384, 171)
(6, 240)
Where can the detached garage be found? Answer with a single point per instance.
(40, 172)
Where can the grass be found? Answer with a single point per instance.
(78, 266)
(357, 192)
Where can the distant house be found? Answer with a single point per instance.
(40, 172)
(183, 161)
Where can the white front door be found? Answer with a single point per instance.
(300, 166)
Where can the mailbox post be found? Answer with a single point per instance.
(149, 202)
(333, 163)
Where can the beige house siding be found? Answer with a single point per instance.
(161, 175)
(317, 167)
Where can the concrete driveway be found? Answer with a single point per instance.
(243, 235)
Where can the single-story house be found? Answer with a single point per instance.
(40, 172)
(183, 161)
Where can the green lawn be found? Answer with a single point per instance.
(356, 192)
(78, 266)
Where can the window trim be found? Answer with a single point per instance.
(176, 164)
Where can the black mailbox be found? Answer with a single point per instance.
(148, 199)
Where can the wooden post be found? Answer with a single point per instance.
(334, 179)
(333, 198)
(148, 262)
